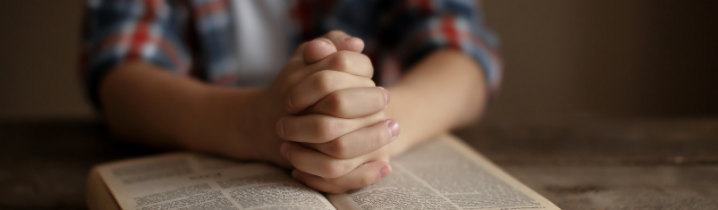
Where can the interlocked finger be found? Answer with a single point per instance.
(362, 176)
(353, 102)
(319, 85)
(320, 164)
(360, 142)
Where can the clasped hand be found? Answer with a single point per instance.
(332, 130)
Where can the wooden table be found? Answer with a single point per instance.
(577, 164)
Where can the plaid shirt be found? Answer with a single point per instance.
(196, 38)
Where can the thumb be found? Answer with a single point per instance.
(333, 41)
(345, 42)
(318, 49)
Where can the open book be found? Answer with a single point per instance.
(440, 174)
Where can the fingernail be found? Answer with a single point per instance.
(393, 128)
(326, 41)
(385, 171)
(280, 128)
(288, 105)
(345, 38)
(387, 98)
(284, 150)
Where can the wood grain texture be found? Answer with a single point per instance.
(597, 142)
(609, 163)
(623, 187)
(587, 164)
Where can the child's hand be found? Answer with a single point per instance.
(344, 125)
(352, 161)
(338, 154)
(315, 64)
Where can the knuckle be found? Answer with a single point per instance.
(324, 81)
(333, 169)
(337, 103)
(341, 61)
(339, 148)
(327, 128)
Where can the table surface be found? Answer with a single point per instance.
(577, 164)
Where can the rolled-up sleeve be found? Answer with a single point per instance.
(129, 30)
(415, 28)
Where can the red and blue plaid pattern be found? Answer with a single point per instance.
(197, 37)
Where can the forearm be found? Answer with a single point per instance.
(445, 90)
(146, 104)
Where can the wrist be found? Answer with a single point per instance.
(259, 127)
(250, 117)
(224, 116)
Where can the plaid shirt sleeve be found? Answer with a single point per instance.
(419, 27)
(427, 25)
(404, 31)
(121, 31)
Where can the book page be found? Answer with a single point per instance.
(187, 181)
(443, 174)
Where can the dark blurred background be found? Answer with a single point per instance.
(564, 59)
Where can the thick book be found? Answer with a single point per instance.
(441, 174)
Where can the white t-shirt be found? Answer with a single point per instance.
(262, 39)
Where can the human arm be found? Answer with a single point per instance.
(442, 92)
(448, 64)
(138, 72)
(145, 104)
(147, 96)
